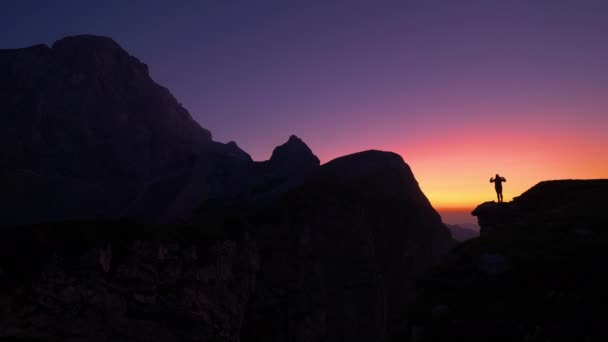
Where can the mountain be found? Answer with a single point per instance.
(293, 155)
(86, 133)
(333, 258)
(339, 254)
(533, 275)
(124, 221)
(460, 232)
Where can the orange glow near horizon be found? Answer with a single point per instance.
(453, 167)
(455, 173)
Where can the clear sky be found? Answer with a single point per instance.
(461, 89)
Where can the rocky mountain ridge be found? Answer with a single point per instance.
(284, 249)
(559, 203)
(86, 133)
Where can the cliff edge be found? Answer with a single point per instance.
(576, 204)
(535, 274)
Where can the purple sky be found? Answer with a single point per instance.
(352, 75)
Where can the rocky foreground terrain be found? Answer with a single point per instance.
(537, 273)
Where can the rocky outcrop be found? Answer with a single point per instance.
(493, 216)
(532, 276)
(340, 253)
(576, 204)
(293, 155)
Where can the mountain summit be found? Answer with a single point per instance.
(85, 132)
(294, 154)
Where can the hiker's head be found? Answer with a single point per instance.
(497, 175)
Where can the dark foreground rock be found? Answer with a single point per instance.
(334, 258)
(535, 274)
(122, 281)
(554, 204)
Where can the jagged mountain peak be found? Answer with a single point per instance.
(294, 153)
(83, 124)
(371, 163)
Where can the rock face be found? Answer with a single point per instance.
(293, 155)
(333, 258)
(86, 133)
(339, 254)
(120, 281)
(287, 168)
(493, 216)
(284, 249)
(533, 275)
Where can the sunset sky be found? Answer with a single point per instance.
(461, 89)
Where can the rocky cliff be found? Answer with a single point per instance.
(535, 274)
(86, 133)
(339, 254)
(555, 204)
(284, 249)
(332, 258)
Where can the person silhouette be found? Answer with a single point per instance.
(498, 186)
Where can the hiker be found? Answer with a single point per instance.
(498, 186)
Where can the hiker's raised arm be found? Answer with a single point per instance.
(491, 179)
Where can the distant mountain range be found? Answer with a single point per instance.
(463, 231)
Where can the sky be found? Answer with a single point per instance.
(462, 90)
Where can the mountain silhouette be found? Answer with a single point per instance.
(294, 154)
(349, 241)
(87, 133)
(460, 232)
(125, 221)
(564, 202)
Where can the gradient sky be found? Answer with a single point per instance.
(461, 89)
